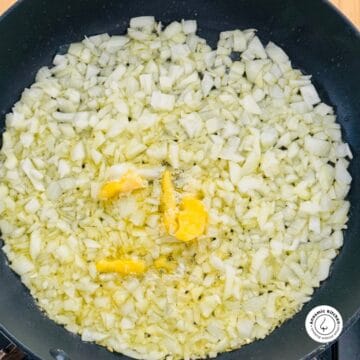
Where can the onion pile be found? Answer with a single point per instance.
(237, 125)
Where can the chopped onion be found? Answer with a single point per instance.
(115, 43)
(142, 22)
(192, 124)
(161, 101)
(250, 105)
(189, 26)
(275, 53)
(310, 94)
(317, 146)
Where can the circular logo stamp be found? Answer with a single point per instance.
(323, 323)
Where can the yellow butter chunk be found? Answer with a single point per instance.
(130, 181)
(163, 263)
(168, 203)
(110, 190)
(186, 224)
(191, 219)
(125, 267)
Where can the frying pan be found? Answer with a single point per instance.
(318, 40)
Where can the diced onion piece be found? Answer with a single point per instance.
(255, 49)
(32, 206)
(310, 94)
(341, 173)
(276, 54)
(253, 69)
(35, 245)
(22, 265)
(142, 22)
(245, 327)
(239, 41)
(168, 203)
(90, 335)
(324, 268)
(172, 29)
(317, 146)
(161, 101)
(78, 152)
(250, 105)
(115, 43)
(207, 83)
(146, 83)
(189, 26)
(192, 124)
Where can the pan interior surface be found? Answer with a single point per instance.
(315, 37)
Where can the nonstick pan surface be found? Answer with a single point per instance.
(318, 40)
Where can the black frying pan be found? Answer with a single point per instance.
(318, 40)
